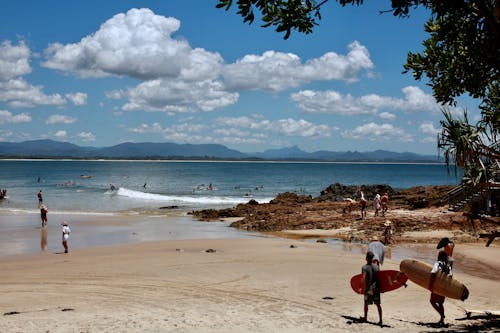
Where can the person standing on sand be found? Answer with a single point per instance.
(43, 214)
(378, 249)
(65, 235)
(372, 290)
(384, 203)
(437, 301)
(40, 197)
(447, 245)
(376, 204)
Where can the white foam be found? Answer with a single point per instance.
(209, 200)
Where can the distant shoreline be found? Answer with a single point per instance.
(221, 161)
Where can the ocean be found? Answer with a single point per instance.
(143, 187)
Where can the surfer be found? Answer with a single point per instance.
(437, 301)
(447, 245)
(65, 235)
(112, 187)
(372, 290)
(43, 214)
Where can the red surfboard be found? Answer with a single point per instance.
(388, 280)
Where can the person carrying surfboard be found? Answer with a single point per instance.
(447, 245)
(436, 300)
(372, 289)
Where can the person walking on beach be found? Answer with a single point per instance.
(384, 203)
(40, 197)
(65, 235)
(378, 249)
(437, 301)
(372, 290)
(43, 214)
(447, 245)
(376, 204)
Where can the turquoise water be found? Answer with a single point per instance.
(186, 184)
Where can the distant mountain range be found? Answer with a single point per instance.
(148, 150)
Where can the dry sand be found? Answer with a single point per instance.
(246, 285)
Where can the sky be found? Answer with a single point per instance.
(100, 73)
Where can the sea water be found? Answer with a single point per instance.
(158, 187)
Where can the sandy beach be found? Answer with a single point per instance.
(255, 284)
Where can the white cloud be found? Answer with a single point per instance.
(77, 98)
(428, 128)
(60, 119)
(137, 44)
(14, 89)
(173, 96)
(8, 117)
(387, 116)
(376, 132)
(278, 71)
(61, 134)
(330, 101)
(86, 136)
(287, 127)
(14, 60)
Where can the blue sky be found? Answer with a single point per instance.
(99, 73)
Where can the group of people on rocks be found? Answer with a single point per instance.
(43, 215)
(380, 204)
(375, 258)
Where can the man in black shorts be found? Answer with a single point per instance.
(372, 289)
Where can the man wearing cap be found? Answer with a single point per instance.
(378, 249)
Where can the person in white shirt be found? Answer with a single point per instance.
(65, 235)
(378, 249)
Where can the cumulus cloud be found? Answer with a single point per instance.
(77, 98)
(86, 136)
(387, 116)
(287, 127)
(378, 132)
(178, 96)
(8, 117)
(61, 134)
(139, 44)
(14, 89)
(235, 130)
(14, 60)
(60, 119)
(428, 128)
(330, 101)
(278, 71)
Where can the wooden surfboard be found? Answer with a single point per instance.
(388, 280)
(420, 273)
